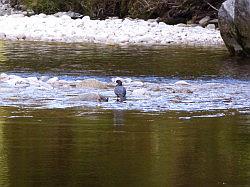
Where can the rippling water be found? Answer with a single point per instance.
(151, 75)
(185, 121)
(163, 95)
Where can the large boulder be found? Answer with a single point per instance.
(242, 21)
(234, 24)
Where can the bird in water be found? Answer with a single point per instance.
(120, 91)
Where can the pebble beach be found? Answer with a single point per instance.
(51, 28)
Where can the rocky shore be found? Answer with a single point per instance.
(62, 28)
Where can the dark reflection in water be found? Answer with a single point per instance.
(99, 60)
(236, 68)
(118, 117)
(87, 148)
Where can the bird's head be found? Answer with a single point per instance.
(119, 82)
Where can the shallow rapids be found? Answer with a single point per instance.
(142, 94)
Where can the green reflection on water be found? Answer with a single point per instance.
(2, 52)
(123, 148)
(103, 60)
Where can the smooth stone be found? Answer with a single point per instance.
(211, 26)
(204, 21)
(91, 97)
(181, 83)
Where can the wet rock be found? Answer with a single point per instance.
(161, 96)
(139, 92)
(91, 97)
(44, 78)
(183, 91)
(234, 24)
(52, 80)
(32, 79)
(91, 83)
(136, 83)
(181, 83)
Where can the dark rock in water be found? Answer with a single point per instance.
(234, 24)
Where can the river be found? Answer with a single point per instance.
(167, 133)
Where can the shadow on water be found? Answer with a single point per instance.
(236, 67)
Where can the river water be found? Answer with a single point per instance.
(186, 121)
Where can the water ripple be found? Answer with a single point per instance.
(142, 95)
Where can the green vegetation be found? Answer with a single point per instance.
(170, 11)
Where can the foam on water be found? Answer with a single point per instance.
(166, 95)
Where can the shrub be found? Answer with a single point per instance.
(170, 11)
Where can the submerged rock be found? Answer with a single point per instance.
(52, 80)
(91, 83)
(234, 24)
(182, 83)
(140, 92)
(91, 97)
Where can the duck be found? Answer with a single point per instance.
(120, 91)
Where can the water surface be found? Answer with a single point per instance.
(214, 81)
(166, 134)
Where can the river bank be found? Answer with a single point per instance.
(110, 31)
